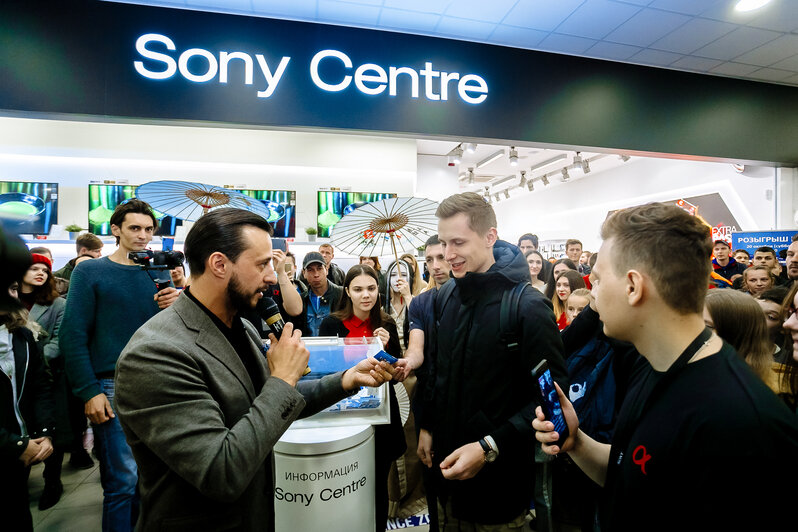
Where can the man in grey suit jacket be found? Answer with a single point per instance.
(200, 405)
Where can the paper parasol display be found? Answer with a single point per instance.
(383, 227)
(189, 201)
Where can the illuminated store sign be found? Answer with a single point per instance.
(369, 78)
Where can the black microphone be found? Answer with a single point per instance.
(270, 313)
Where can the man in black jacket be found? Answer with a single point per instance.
(481, 400)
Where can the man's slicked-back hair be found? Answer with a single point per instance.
(479, 213)
(88, 241)
(647, 238)
(221, 230)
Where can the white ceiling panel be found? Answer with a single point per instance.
(736, 43)
(596, 18)
(408, 20)
(697, 35)
(646, 27)
(686, 7)
(647, 56)
(772, 52)
(613, 51)
(541, 14)
(494, 11)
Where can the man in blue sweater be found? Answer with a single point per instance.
(109, 299)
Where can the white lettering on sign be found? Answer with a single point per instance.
(201, 66)
(211, 65)
(372, 79)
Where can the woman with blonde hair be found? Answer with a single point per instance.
(738, 319)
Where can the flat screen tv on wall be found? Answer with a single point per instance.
(103, 199)
(333, 205)
(285, 225)
(28, 208)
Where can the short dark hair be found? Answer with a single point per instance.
(41, 250)
(220, 230)
(765, 249)
(736, 251)
(573, 242)
(88, 241)
(432, 241)
(131, 206)
(529, 236)
(648, 237)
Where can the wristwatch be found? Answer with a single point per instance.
(490, 453)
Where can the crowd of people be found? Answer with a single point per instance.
(677, 379)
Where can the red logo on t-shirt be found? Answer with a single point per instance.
(644, 457)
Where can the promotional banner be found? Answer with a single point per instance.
(750, 241)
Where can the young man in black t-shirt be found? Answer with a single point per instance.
(700, 441)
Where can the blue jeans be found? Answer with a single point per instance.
(118, 471)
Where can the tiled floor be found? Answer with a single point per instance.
(80, 507)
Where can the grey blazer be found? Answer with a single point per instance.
(49, 318)
(200, 432)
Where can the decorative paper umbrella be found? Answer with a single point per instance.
(390, 224)
(189, 201)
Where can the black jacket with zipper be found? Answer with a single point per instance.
(482, 385)
(34, 394)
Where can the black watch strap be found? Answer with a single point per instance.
(485, 447)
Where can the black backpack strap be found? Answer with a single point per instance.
(442, 296)
(508, 315)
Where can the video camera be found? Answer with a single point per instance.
(158, 261)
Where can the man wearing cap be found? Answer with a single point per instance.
(321, 297)
(723, 263)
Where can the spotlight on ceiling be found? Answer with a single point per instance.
(580, 162)
(530, 185)
(522, 183)
(545, 180)
(565, 175)
(750, 5)
(585, 166)
(470, 175)
(470, 147)
(490, 158)
(507, 193)
(513, 156)
(625, 158)
(497, 197)
(457, 155)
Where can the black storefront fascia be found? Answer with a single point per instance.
(77, 59)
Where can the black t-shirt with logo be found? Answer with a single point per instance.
(714, 449)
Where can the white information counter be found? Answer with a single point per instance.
(324, 464)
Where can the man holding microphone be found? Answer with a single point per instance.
(200, 402)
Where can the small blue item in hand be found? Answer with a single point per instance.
(383, 356)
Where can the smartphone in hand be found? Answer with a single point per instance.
(550, 401)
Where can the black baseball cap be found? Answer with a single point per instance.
(310, 258)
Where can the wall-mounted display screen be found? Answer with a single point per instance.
(333, 205)
(285, 225)
(28, 208)
(103, 199)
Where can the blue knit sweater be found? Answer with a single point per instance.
(107, 303)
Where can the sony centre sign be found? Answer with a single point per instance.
(161, 60)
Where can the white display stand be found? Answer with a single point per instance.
(325, 480)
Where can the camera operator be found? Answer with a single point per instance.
(109, 298)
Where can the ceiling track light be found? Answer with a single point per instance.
(625, 158)
(470, 175)
(507, 193)
(522, 183)
(530, 185)
(548, 162)
(497, 197)
(457, 155)
(513, 156)
(565, 175)
(490, 158)
(470, 147)
(545, 180)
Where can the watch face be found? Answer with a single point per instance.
(490, 456)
